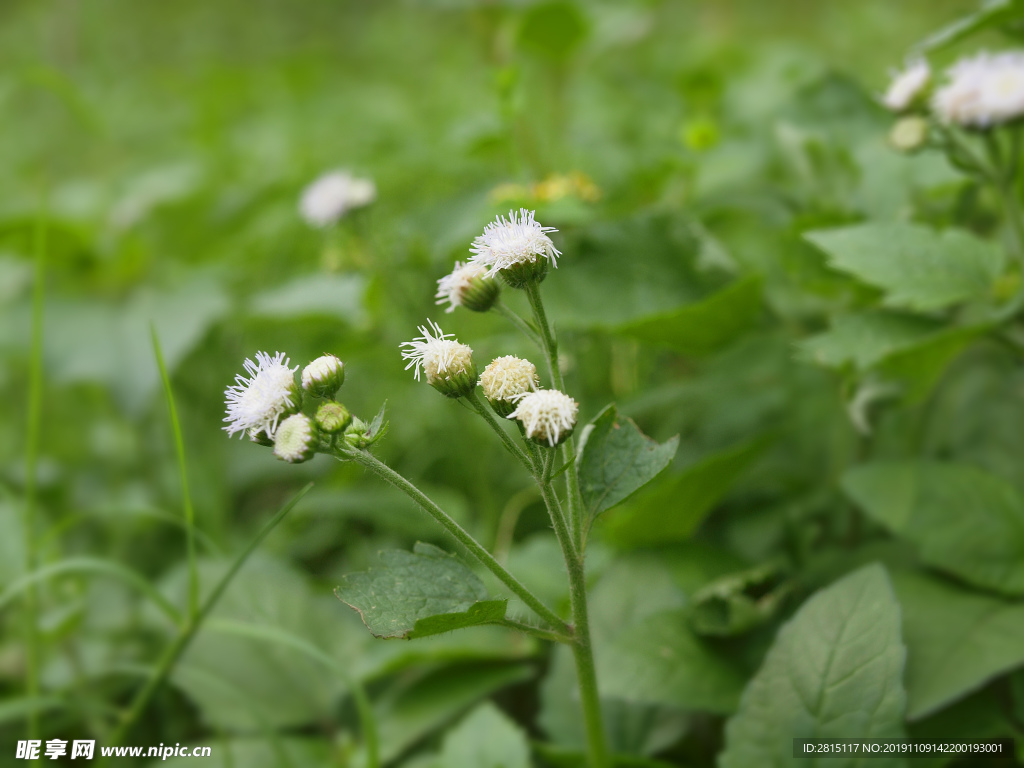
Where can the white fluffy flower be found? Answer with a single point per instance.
(333, 195)
(447, 364)
(259, 402)
(907, 85)
(468, 286)
(547, 415)
(517, 240)
(983, 90)
(508, 378)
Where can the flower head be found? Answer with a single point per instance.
(333, 195)
(296, 439)
(467, 286)
(332, 417)
(547, 415)
(517, 248)
(907, 85)
(259, 402)
(507, 379)
(983, 90)
(323, 376)
(447, 364)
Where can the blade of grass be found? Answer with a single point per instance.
(35, 408)
(179, 444)
(28, 582)
(282, 637)
(180, 643)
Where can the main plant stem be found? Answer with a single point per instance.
(582, 649)
(550, 345)
(389, 475)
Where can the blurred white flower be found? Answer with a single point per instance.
(517, 240)
(467, 286)
(547, 415)
(907, 85)
(447, 364)
(983, 90)
(333, 195)
(259, 402)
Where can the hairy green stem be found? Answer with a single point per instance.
(502, 309)
(506, 439)
(550, 345)
(396, 479)
(582, 649)
(181, 642)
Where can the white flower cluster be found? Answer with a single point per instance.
(333, 195)
(446, 364)
(983, 90)
(978, 92)
(548, 416)
(467, 286)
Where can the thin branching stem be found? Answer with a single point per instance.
(519, 322)
(485, 413)
(400, 482)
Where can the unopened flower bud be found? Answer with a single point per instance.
(547, 415)
(909, 134)
(447, 364)
(296, 439)
(332, 417)
(506, 380)
(468, 286)
(324, 376)
(357, 433)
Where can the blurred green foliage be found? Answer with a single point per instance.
(708, 166)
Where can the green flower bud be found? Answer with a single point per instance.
(296, 439)
(332, 417)
(909, 134)
(324, 376)
(468, 286)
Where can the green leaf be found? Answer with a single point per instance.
(992, 13)
(963, 520)
(616, 459)
(660, 661)
(957, 640)
(918, 368)
(704, 326)
(409, 711)
(486, 738)
(419, 593)
(737, 603)
(918, 268)
(834, 670)
(865, 338)
(672, 511)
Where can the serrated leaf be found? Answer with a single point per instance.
(992, 13)
(957, 640)
(834, 670)
(703, 326)
(616, 459)
(417, 594)
(963, 520)
(918, 268)
(672, 511)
